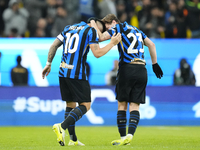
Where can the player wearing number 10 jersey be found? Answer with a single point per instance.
(132, 74)
(76, 40)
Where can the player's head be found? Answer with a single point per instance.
(100, 24)
(110, 20)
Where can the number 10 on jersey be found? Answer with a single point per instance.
(69, 41)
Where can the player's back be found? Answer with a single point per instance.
(76, 39)
(132, 46)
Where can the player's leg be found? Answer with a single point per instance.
(121, 123)
(71, 129)
(81, 93)
(75, 115)
(121, 118)
(135, 77)
(122, 95)
(77, 142)
(66, 96)
(60, 132)
(133, 120)
(137, 97)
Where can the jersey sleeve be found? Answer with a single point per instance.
(143, 35)
(93, 36)
(60, 37)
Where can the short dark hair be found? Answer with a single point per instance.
(99, 20)
(103, 24)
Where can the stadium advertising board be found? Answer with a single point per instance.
(43, 106)
(34, 56)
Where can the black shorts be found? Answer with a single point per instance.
(74, 90)
(131, 83)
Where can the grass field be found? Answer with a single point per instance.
(98, 138)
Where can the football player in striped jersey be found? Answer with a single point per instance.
(74, 86)
(132, 74)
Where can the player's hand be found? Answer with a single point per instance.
(92, 18)
(157, 70)
(115, 39)
(93, 24)
(46, 71)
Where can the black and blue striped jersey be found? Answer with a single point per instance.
(132, 46)
(76, 40)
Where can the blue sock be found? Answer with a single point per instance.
(121, 122)
(71, 128)
(133, 121)
(73, 116)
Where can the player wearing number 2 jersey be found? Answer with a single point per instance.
(132, 74)
(76, 40)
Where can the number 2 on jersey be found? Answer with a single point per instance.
(69, 42)
(131, 47)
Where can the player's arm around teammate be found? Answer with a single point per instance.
(96, 50)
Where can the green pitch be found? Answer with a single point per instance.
(98, 138)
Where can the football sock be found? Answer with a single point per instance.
(71, 128)
(133, 121)
(123, 137)
(74, 115)
(121, 122)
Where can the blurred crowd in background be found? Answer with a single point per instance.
(47, 18)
